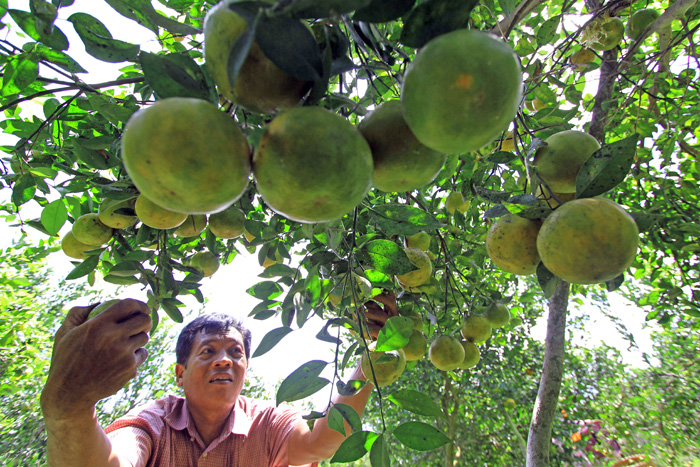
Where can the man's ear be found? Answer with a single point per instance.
(179, 370)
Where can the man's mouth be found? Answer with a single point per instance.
(221, 379)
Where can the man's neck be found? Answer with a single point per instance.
(209, 422)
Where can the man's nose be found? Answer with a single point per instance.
(223, 359)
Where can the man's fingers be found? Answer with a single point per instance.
(136, 324)
(140, 355)
(388, 299)
(139, 340)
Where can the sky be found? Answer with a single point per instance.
(225, 290)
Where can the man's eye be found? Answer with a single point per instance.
(206, 351)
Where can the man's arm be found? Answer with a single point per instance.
(306, 446)
(92, 359)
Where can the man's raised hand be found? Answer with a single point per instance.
(94, 358)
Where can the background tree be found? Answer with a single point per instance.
(69, 161)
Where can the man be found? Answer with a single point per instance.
(212, 426)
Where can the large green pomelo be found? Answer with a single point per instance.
(588, 241)
(261, 86)
(386, 371)
(186, 156)
(639, 21)
(74, 248)
(312, 165)
(401, 162)
(461, 91)
(228, 223)
(559, 161)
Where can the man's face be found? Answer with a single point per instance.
(216, 369)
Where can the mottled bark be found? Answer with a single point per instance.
(540, 437)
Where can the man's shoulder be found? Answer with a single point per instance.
(152, 415)
(265, 412)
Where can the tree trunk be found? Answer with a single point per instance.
(540, 437)
(448, 397)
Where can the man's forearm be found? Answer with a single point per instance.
(327, 438)
(78, 440)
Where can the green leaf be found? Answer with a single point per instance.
(350, 415)
(416, 402)
(28, 23)
(354, 447)
(381, 11)
(278, 270)
(614, 284)
(114, 112)
(314, 9)
(98, 40)
(303, 382)
(266, 290)
(57, 58)
(53, 216)
(434, 18)
(170, 306)
(174, 75)
(172, 26)
(270, 340)
(92, 158)
(389, 258)
(548, 281)
(399, 219)
(23, 190)
(420, 436)
(606, 168)
(140, 11)
(350, 388)
(84, 268)
(395, 333)
(379, 454)
(19, 73)
(241, 48)
(336, 421)
(291, 46)
(548, 30)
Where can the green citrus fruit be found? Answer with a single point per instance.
(509, 403)
(102, 307)
(461, 91)
(476, 329)
(418, 276)
(608, 32)
(227, 223)
(193, 226)
(387, 370)
(639, 21)
(312, 165)
(74, 248)
(507, 144)
(497, 315)
(206, 262)
(557, 163)
(511, 243)
(421, 240)
(115, 220)
(471, 355)
(186, 156)
(416, 347)
(261, 86)
(401, 162)
(582, 57)
(587, 241)
(155, 216)
(446, 353)
(90, 230)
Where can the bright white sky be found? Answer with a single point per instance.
(225, 290)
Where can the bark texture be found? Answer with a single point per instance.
(540, 437)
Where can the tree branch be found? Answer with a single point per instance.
(540, 437)
(505, 26)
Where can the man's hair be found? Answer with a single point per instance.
(210, 323)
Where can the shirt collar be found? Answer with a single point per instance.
(179, 418)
